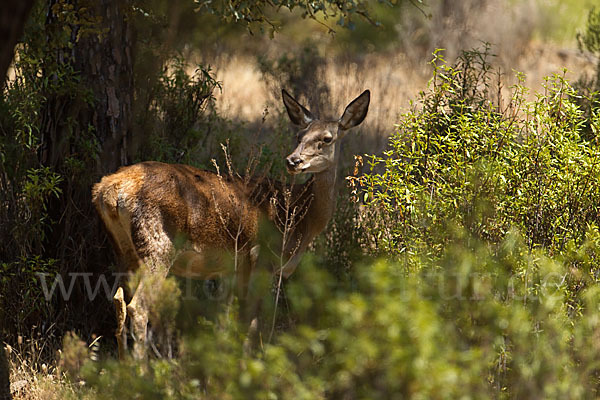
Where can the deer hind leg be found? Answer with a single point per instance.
(138, 315)
(149, 280)
(117, 221)
(157, 250)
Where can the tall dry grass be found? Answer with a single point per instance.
(397, 74)
(35, 378)
(394, 80)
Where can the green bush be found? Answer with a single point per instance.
(589, 86)
(480, 322)
(179, 113)
(462, 156)
(33, 179)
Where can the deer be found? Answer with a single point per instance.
(150, 208)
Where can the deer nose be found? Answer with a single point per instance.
(293, 161)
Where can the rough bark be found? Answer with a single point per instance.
(106, 65)
(13, 14)
(101, 57)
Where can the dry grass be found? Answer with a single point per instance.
(396, 76)
(393, 79)
(40, 369)
(32, 378)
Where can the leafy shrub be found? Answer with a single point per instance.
(589, 41)
(179, 113)
(34, 129)
(480, 322)
(463, 157)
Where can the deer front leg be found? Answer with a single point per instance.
(249, 307)
(121, 311)
(242, 281)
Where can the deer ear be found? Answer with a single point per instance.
(356, 111)
(298, 114)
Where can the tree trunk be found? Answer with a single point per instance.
(101, 56)
(84, 134)
(13, 14)
(106, 65)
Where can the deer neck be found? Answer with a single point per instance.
(323, 190)
(322, 199)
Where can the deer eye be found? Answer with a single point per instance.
(328, 138)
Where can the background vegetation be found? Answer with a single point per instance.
(463, 257)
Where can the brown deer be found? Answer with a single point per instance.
(165, 218)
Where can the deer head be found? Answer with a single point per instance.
(316, 149)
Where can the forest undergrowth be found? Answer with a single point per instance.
(462, 260)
